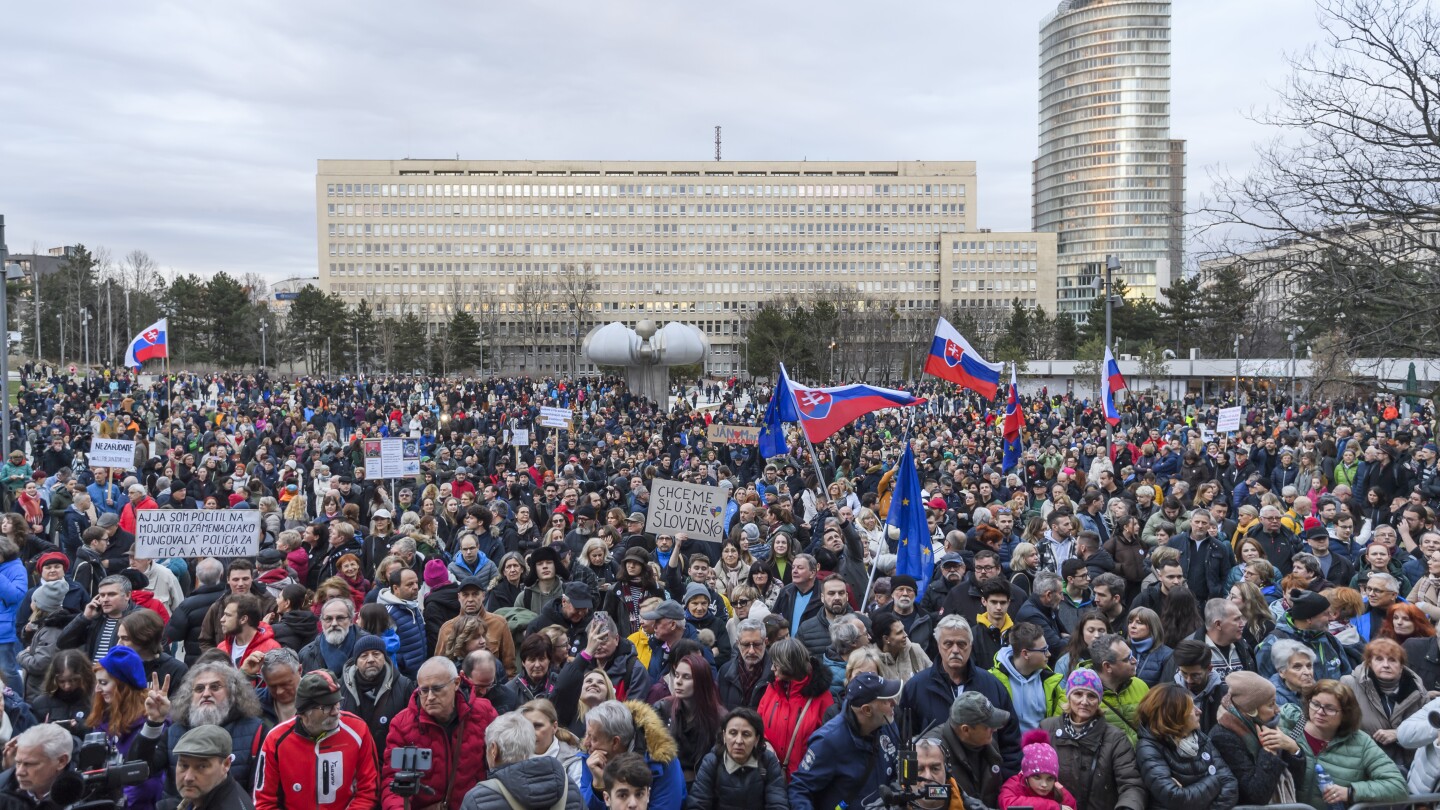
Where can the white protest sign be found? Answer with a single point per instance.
(112, 453)
(1229, 420)
(520, 437)
(695, 509)
(557, 414)
(197, 533)
(391, 458)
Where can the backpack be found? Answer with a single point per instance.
(516, 620)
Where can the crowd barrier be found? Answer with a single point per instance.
(1415, 801)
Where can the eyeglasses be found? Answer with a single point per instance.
(438, 689)
(1041, 651)
(1324, 708)
(742, 602)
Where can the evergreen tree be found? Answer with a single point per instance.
(1067, 337)
(367, 329)
(410, 343)
(1227, 303)
(1182, 316)
(187, 306)
(232, 334)
(463, 335)
(1015, 341)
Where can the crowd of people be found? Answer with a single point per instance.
(1163, 618)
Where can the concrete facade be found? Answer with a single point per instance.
(541, 251)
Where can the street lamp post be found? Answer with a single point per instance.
(832, 361)
(263, 358)
(1291, 339)
(60, 318)
(1237, 370)
(1105, 284)
(85, 337)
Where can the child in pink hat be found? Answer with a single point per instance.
(1036, 786)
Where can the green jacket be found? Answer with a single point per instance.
(1053, 683)
(1354, 761)
(1119, 707)
(14, 476)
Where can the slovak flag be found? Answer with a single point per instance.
(824, 411)
(1014, 419)
(150, 344)
(1111, 382)
(951, 358)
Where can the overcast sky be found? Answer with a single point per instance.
(192, 130)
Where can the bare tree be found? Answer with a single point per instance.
(532, 297)
(1336, 225)
(576, 294)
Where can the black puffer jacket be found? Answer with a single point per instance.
(295, 629)
(441, 605)
(188, 617)
(731, 692)
(1205, 781)
(753, 787)
(379, 708)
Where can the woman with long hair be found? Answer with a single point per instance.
(1091, 625)
(732, 569)
(1326, 725)
(900, 658)
(766, 582)
(782, 555)
(469, 635)
(595, 557)
(32, 507)
(509, 582)
(1247, 551)
(1404, 621)
(692, 712)
(118, 712)
(740, 771)
(1024, 563)
(1179, 615)
(1258, 621)
(1179, 766)
(293, 622)
(67, 693)
(635, 582)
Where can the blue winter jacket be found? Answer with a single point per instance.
(843, 767)
(410, 627)
(928, 694)
(14, 584)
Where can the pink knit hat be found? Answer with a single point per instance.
(1040, 756)
(436, 574)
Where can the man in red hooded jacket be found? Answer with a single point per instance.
(452, 725)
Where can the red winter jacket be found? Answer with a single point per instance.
(286, 775)
(459, 751)
(263, 642)
(789, 721)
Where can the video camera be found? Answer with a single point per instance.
(907, 788)
(409, 763)
(99, 778)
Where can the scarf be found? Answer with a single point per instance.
(1189, 746)
(1142, 646)
(1068, 729)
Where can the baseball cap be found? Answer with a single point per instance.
(472, 582)
(952, 557)
(669, 609)
(107, 520)
(204, 741)
(974, 709)
(382, 513)
(868, 687)
(579, 595)
(636, 517)
(316, 689)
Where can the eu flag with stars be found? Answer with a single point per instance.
(771, 441)
(907, 515)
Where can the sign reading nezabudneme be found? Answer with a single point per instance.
(695, 509)
(119, 453)
(197, 533)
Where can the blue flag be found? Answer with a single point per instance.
(907, 514)
(1014, 420)
(771, 441)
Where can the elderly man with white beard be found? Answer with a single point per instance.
(213, 693)
(335, 645)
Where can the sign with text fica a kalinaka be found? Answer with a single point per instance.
(677, 507)
(222, 533)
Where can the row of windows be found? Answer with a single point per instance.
(995, 266)
(643, 210)
(629, 229)
(687, 190)
(997, 246)
(512, 269)
(573, 249)
(499, 292)
(993, 285)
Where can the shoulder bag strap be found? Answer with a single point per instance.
(515, 803)
(1116, 709)
(796, 733)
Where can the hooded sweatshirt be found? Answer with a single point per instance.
(1027, 693)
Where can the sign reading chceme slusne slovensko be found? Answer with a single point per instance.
(695, 509)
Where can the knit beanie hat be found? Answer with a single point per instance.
(1084, 679)
(1039, 754)
(368, 643)
(124, 665)
(436, 574)
(1307, 605)
(48, 596)
(1249, 691)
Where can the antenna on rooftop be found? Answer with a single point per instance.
(717, 143)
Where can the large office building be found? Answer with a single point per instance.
(1109, 179)
(542, 251)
